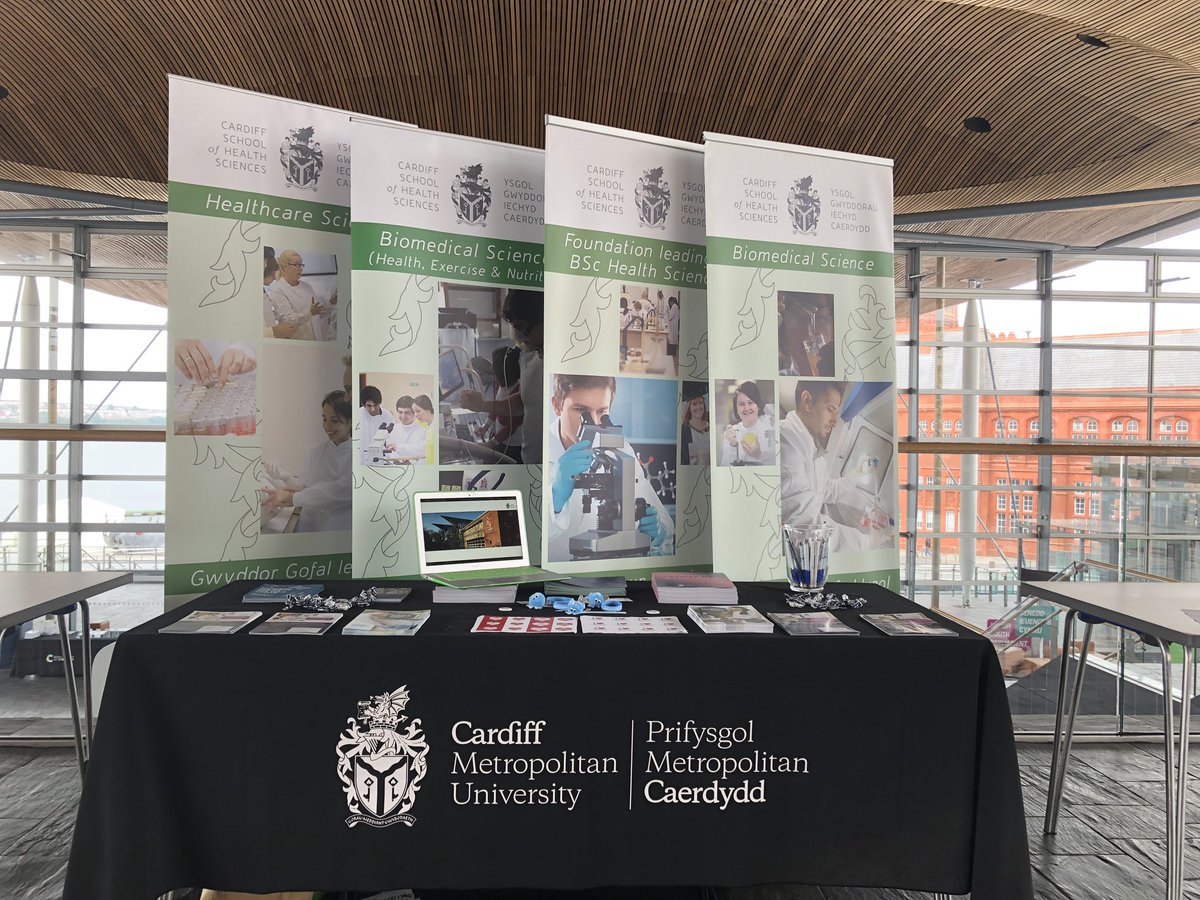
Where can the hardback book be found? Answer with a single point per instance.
(730, 619)
(693, 587)
(210, 622)
(911, 623)
(298, 623)
(277, 593)
(812, 623)
(387, 622)
(496, 594)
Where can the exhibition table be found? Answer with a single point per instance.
(1162, 614)
(554, 761)
(25, 596)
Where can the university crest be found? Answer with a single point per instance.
(382, 763)
(804, 206)
(301, 158)
(652, 195)
(472, 195)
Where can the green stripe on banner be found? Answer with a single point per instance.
(190, 578)
(799, 257)
(888, 578)
(466, 257)
(247, 206)
(600, 254)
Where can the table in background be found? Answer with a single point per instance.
(1156, 611)
(25, 596)
(216, 759)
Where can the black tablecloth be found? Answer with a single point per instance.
(216, 760)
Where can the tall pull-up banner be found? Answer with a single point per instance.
(447, 236)
(258, 440)
(626, 363)
(802, 315)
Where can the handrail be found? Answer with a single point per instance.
(1109, 567)
(1058, 448)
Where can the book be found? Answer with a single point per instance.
(390, 594)
(387, 622)
(298, 623)
(811, 623)
(730, 619)
(278, 592)
(913, 623)
(210, 622)
(525, 625)
(693, 587)
(632, 625)
(500, 594)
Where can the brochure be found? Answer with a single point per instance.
(812, 623)
(391, 594)
(210, 622)
(387, 622)
(730, 619)
(913, 623)
(278, 592)
(525, 625)
(632, 625)
(693, 587)
(298, 623)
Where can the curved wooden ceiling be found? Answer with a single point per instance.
(894, 78)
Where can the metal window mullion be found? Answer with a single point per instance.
(914, 416)
(75, 449)
(1045, 465)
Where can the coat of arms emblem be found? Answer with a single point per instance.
(652, 195)
(804, 206)
(472, 195)
(301, 158)
(382, 763)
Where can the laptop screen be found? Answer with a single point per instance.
(470, 530)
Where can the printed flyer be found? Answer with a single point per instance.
(258, 450)
(803, 374)
(447, 274)
(627, 424)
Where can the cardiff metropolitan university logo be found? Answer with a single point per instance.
(381, 766)
(472, 195)
(804, 206)
(652, 195)
(301, 158)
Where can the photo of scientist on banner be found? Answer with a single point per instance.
(649, 329)
(610, 467)
(806, 338)
(837, 449)
(396, 420)
(746, 417)
(490, 374)
(300, 295)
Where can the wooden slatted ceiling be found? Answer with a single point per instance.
(892, 78)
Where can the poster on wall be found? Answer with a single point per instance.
(628, 411)
(803, 374)
(258, 451)
(447, 273)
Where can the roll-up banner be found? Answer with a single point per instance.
(258, 439)
(626, 362)
(447, 235)
(802, 360)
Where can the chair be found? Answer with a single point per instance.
(100, 664)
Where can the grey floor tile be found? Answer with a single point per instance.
(1153, 855)
(1083, 785)
(1047, 890)
(56, 727)
(50, 837)
(1133, 822)
(36, 790)
(12, 829)
(32, 877)
(1124, 763)
(1073, 838)
(1030, 754)
(841, 893)
(1110, 877)
(773, 892)
(8, 726)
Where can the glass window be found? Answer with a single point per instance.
(1110, 276)
(1034, 426)
(945, 426)
(1132, 425)
(1001, 522)
(1012, 426)
(1002, 501)
(1094, 506)
(1027, 503)
(1077, 424)
(958, 426)
(1181, 426)
(1117, 425)
(923, 427)
(951, 520)
(1001, 481)
(1080, 505)
(1093, 425)
(1164, 425)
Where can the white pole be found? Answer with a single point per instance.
(970, 462)
(27, 503)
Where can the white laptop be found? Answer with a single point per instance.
(474, 538)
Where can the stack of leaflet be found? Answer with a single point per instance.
(693, 587)
(500, 593)
(730, 620)
(609, 585)
(387, 622)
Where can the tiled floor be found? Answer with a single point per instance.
(1109, 846)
